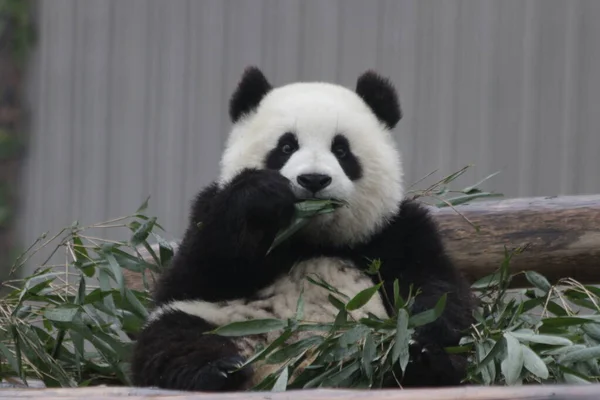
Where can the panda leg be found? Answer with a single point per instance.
(174, 352)
(430, 364)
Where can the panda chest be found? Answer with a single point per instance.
(280, 299)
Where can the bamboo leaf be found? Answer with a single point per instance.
(368, 355)
(512, 365)
(362, 298)
(142, 232)
(538, 280)
(429, 316)
(300, 305)
(281, 382)
(294, 350)
(589, 353)
(533, 363)
(400, 351)
(543, 339)
(65, 313)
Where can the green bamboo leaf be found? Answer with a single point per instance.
(335, 379)
(480, 352)
(143, 207)
(592, 330)
(80, 291)
(66, 313)
(572, 379)
(543, 339)
(281, 382)
(495, 348)
(269, 349)
(81, 255)
(250, 327)
(533, 363)
(337, 303)
(368, 355)
(491, 367)
(300, 305)
(142, 232)
(398, 300)
(487, 281)
(18, 353)
(341, 318)
(557, 322)
(137, 306)
(588, 353)
(538, 280)
(374, 267)
(429, 316)
(556, 309)
(401, 344)
(362, 298)
(294, 350)
(512, 364)
(116, 271)
(10, 358)
(304, 211)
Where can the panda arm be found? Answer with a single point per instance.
(222, 253)
(411, 250)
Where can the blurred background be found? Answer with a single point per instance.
(118, 100)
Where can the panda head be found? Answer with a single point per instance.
(329, 141)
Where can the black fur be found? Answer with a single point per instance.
(340, 147)
(177, 354)
(251, 89)
(225, 259)
(380, 95)
(286, 146)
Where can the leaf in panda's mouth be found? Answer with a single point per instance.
(305, 210)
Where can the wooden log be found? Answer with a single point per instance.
(530, 392)
(562, 236)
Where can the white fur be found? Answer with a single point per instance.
(316, 112)
(279, 301)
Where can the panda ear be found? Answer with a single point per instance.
(380, 95)
(251, 89)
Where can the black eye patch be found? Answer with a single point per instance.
(340, 147)
(278, 156)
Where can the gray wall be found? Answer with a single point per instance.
(129, 97)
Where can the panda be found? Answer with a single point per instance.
(303, 140)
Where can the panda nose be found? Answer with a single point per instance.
(314, 182)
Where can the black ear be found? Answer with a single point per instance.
(251, 89)
(380, 95)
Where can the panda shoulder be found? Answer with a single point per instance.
(201, 204)
(415, 229)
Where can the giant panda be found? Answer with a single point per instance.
(306, 140)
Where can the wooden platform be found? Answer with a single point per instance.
(531, 392)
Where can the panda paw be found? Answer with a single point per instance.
(223, 375)
(267, 196)
(430, 365)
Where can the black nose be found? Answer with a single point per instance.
(314, 182)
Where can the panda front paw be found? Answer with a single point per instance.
(430, 365)
(267, 197)
(223, 375)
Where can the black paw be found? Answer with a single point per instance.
(223, 375)
(267, 196)
(430, 365)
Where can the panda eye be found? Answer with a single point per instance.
(287, 149)
(340, 151)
